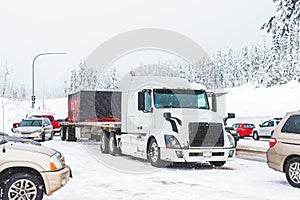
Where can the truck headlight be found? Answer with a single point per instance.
(171, 142)
(55, 162)
(231, 141)
(17, 132)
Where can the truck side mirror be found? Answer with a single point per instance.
(141, 101)
(231, 115)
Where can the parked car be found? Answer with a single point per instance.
(30, 171)
(265, 129)
(6, 137)
(284, 152)
(35, 128)
(55, 123)
(243, 129)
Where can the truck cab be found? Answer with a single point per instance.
(165, 121)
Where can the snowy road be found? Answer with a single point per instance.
(98, 176)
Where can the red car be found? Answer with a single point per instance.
(243, 129)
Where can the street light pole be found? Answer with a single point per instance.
(41, 54)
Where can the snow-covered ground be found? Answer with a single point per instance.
(94, 180)
(98, 176)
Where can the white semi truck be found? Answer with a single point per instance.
(156, 118)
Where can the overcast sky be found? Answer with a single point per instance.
(77, 27)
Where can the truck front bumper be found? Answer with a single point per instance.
(198, 155)
(55, 180)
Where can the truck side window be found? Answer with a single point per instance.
(144, 101)
(148, 102)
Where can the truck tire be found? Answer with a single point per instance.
(23, 185)
(153, 154)
(70, 134)
(112, 145)
(255, 135)
(63, 133)
(292, 172)
(104, 143)
(217, 163)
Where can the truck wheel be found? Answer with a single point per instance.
(153, 154)
(23, 185)
(255, 135)
(63, 133)
(292, 172)
(112, 145)
(103, 143)
(217, 163)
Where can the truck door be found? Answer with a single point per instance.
(143, 120)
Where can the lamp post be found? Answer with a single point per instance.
(41, 54)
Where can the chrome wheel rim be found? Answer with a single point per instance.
(294, 172)
(154, 152)
(22, 189)
(111, 144)
(102, 142)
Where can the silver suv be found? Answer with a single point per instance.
(284, 152)
(35, 128)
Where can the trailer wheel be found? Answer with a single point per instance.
(63, 133)
(104, 143)
(112, 145)
(70, 134)
(153, 154)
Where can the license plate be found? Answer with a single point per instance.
(207, 153)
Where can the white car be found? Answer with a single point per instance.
(36, 129)
(265, 129)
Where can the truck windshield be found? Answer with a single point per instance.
(180, 98)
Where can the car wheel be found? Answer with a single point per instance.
(153, 154)
(292, 172)
(217, 163)
(23, 185)
(51, 136)
(255, 136)
(104, 143)
(112, 145)
(43, 137)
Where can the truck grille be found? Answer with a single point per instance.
(206, 135)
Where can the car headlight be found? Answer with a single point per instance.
(56, 161)
(171, 142)
(231, 141)
(37, 131)
(17, 132)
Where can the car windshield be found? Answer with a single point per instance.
(31, 123)
(180, 98)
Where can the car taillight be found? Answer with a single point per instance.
(272, 142)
